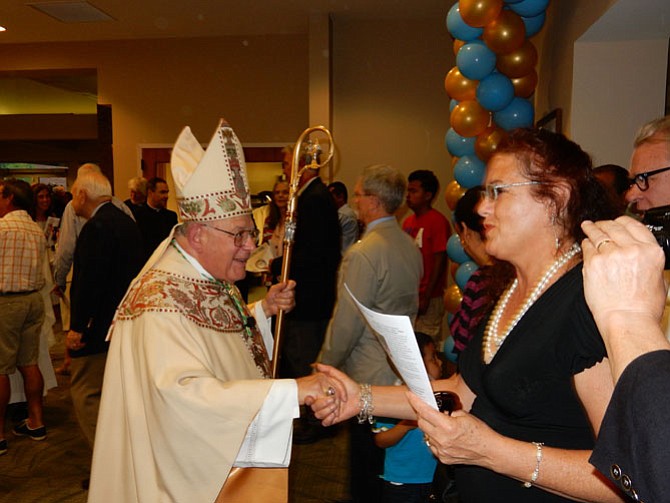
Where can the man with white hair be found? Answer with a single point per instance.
(650, 179)
(137, 186)
(650, 166)
(106, 258)
(188, 411)
(382, 271)
(70, 228)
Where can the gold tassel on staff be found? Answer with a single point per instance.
(312, 150)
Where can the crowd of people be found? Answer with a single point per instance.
(564, 321)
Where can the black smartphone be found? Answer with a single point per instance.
(446, 401)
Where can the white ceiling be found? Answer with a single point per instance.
(202, 18)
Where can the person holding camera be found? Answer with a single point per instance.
(623, 256)
(649, 192)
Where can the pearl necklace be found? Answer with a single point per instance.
(493, 338)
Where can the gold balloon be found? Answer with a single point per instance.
(453, 193)
(479, 13)
(452, 298)
(487, 142)
(506, 33)
(460, 87)
(525, 86)
(518, 63)
(457, 46)
(469, 118)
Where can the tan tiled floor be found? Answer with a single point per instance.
(52, 470)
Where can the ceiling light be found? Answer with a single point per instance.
(71, 12)
(2, 28)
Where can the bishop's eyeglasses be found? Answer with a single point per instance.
(239, 237)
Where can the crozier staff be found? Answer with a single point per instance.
(534, 381)
(187, 394)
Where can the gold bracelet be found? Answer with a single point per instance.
(538, 460)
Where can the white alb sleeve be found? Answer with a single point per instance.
(268, 440)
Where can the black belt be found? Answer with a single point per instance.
(17, 293)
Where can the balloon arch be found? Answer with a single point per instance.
(490, 89)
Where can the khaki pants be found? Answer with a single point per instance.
(87, 373)
(21, 318)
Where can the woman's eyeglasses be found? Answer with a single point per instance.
(493, 190)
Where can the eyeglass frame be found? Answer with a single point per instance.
(239, 239)
(643, 178)
(490, 191)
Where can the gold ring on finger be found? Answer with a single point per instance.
(603, 242)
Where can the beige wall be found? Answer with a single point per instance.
(389, 102)
(566, 21)
(156, 87)
(610, 83)
(617, 87)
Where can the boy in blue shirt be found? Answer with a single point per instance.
(409, 466)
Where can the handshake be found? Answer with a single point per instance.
(331, 394)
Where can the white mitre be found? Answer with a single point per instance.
(210, 184)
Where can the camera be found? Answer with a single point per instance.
(657, 221)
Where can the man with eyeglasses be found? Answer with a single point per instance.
(383, 271)
(650, 166)
(650, 178)
(188, 408)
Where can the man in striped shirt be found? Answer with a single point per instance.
(22, 250)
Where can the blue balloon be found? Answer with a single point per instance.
(458, 28)
(519, 113)
(455, 250)
(534, 24)
(450, 317)
(495, 92)
(475, 60)
(464, 272)
(529, 8)
(512, 1)
(469, 171)
(448, 349)
(453, 104)
(459, 145)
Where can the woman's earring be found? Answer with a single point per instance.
(557, 240)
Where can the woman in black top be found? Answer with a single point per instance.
(535, 381)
